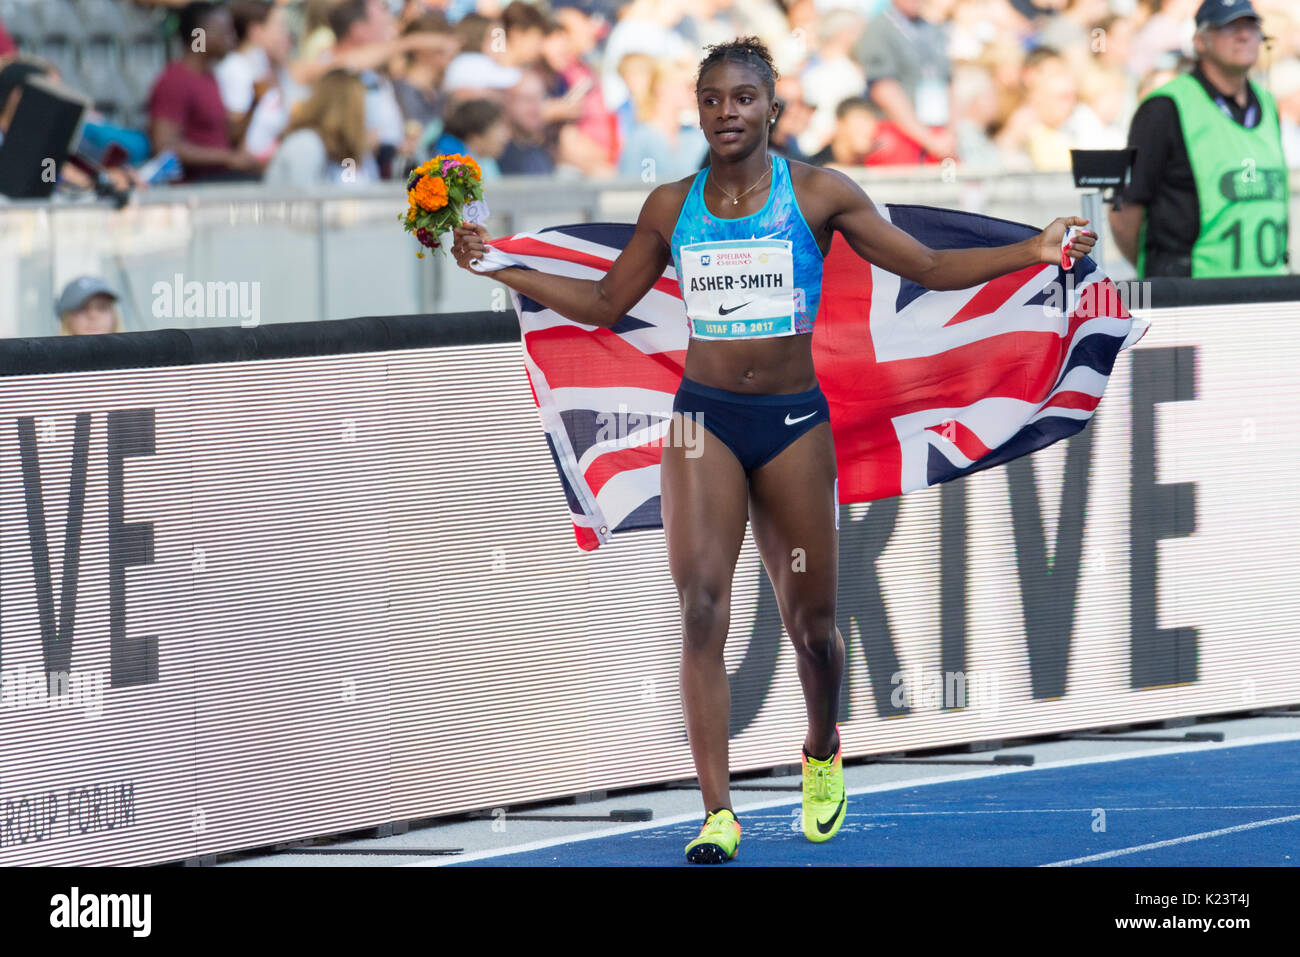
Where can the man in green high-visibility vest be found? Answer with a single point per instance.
(1209, 192)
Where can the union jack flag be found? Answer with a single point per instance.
(923, 386)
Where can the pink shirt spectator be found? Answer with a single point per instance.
(6, 42)
(597, 121)
(193, 101)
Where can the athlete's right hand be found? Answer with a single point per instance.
(468, 243)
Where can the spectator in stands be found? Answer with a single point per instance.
(720, 21)
(1208, 195)
(1168, 29)
(583, 21)
(358, 24)
(589, 139)
(1014, 132)
(790, 51)
(476, 76)
(1051, 99)
(645, 26)
(472, 74)
(525, 29)
(863, 137)
(531, 150)
(636, 72)
(251, 70)
(327, 141)
(476, 128)
(976, 106)
(660, 147)
(1071, 30)
(88, 306)
(907, 69)
(472, 30)
(1102, 120)
(831, 75)
(72, 178)
(317, 37)
(1114, 45)
(1004, 59)
(419, 88)
(577, 61)
(185, 109)
(794, 114)
(274, 103)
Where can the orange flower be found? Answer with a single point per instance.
(430, 193)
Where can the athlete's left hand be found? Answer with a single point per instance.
(1050, 239)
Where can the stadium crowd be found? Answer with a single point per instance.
(301, 92)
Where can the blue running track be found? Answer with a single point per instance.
(1222, 806)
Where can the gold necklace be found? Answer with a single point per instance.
(735, 200)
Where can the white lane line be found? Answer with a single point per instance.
(1152, 750)
(1074, 810)
(1172, 841)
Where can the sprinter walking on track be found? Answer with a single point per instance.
(747, 236)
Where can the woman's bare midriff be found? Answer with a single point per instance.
(779, 364)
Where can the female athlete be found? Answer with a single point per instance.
(747, 236)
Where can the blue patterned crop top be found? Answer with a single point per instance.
(750, 277)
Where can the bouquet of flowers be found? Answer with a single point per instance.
(445, 192)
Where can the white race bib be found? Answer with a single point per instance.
(739, 288)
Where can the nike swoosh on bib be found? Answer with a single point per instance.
(724, 311)
(790, 421)
(823, 828)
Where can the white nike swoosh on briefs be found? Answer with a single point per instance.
(790, 421)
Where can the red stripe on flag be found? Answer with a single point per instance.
(993, 295)
(521, 246)
(605, 467)
(1101, 298)
(600, 358)
(1073, 400)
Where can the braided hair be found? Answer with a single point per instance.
(750, 51)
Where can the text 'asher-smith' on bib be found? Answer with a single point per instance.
(740, 288)
(752, 276)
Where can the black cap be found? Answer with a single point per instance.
(1218, 12)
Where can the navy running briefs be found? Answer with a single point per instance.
(755, 426)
